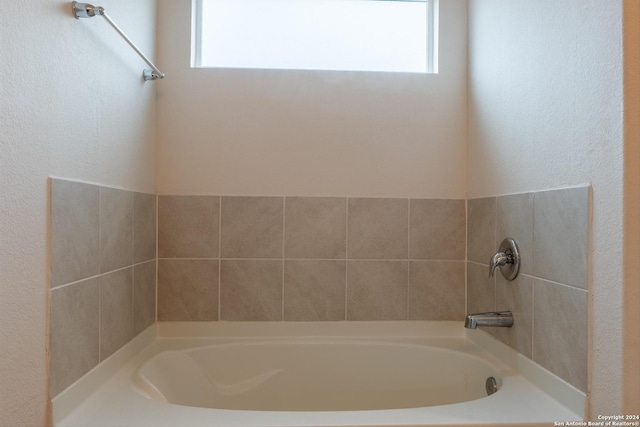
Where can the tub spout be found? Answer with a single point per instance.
(493, 318)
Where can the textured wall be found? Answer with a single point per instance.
(546, 112)
(306, 133)
(72, 104)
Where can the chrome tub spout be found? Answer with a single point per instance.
(492, 318)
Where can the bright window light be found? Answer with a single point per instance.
(353, 35)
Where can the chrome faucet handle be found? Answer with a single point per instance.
(498, 260)
(507, 259)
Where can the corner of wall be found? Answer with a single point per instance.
(631, 346)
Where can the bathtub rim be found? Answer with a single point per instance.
(71, 398)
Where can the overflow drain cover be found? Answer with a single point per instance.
(491, 386)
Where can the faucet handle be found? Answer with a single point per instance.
(507, 259)
(498, 260)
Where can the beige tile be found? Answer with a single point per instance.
(252, 227)
(377, 290)
(437, 229)
(187, 289)
(315, 227)
(481, 229)
(75, 231)
(116, 311)
(378, 229)
(144, 295)
(116, 229)
(481, 289)
(314, 290)
(515, 219)
(560, 331)
(144, 227)
(516, 296)
(188, 226)
(75, 332)
(561, 235)
(436, 290)
(250, 290)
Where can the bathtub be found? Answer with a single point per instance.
(316, 374)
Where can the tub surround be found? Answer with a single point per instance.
(549, 297)
(103, 274)
(310, 258)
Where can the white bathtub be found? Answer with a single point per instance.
(315, 374)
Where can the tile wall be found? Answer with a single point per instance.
(549, 297)
(103, 274)
(313, 259)
(310, 258)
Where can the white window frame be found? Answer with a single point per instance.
(432, 33)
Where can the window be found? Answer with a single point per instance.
(356, 35)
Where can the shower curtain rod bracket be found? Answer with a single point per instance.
(86, 10)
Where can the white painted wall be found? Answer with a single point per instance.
(73, 105)
(546, 111)
(261, 132)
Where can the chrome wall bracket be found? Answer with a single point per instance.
(507, 259)
(86, 10)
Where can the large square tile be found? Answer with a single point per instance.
(515, 219)
(377, 290)
(437, 229)
(116, 311)
(517, 297)
(75, 332)
(561, 224)
(560, 334)
(481, 230)
(481, 289)
(314, 290)
(378, 229)
(252, 227)
(116, 229)
(315, 227)
(436, 290)
(75, 231)
(188, 226)
(187, 290)
(144, 227)
(250, 290)
(144, 295)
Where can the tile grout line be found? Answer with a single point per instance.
(408, 257)
(133, 261)
(346, 256)
(533, 270)
(533, 316)
(156, 255)
(99, 274)
(317, 259)
(532, 277)
(495, 244)
(466, 256)
(219, 258)
(284, 224)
